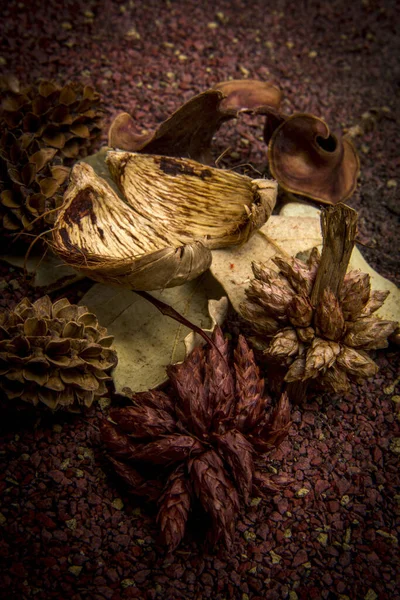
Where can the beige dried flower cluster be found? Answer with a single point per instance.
(328, 341)
(55, 354)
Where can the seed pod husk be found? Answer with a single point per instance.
(159, 232)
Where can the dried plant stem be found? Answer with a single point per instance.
(168, 311)
(339, 230)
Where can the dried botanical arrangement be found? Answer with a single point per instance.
(54, 354)
(159, 229)
(44, 129)
(304, 156)
(315, 321)
(200, 442)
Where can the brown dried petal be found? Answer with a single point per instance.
(216, 494)
(250, 404)
(354, 294)
(297, 274)
(154, 398)
(376, 300)
(275, 429)
(321, 355)
(237, 453)
(118, 444)
(329, 320)
(174, 508)
(300, 311)
(187, 378)
(356, 363)
(369, 333)
(305, 334)
(283, 345)
(260, 322)
(297, 369)
(219, 385)
(170, 449)
(143, 421)
(272, 297)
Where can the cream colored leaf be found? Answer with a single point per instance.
(145, 340)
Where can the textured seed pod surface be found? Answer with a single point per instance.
(202, 441)
(54, 354)
(43, 129)
(157, 230)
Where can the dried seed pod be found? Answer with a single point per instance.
(40, 137)
(221, 422)
(315, 342)
(160, 234)
(55, 354)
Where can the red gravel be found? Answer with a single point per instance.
(63, 534)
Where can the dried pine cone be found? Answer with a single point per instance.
(44, 129)
(201, 440)
(327, 341)
(54, 353)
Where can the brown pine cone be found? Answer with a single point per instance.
(203, 439)
(44, 129)
(326, 342)
(55, 354)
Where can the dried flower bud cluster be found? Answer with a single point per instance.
(43, 130)
(55, 354)
(200, 441)
(327, 341)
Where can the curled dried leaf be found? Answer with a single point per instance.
(188, 132)
(307, 159)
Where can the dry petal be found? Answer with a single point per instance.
(354, 294)
(356, 363)
(321, 355)
(369, 333)
(300, 311)
(297, 274)
(284, 345)
(143, 421)
(216, 494)
(250, 401)
(329, 320)
(237, 452)
(174, 508)
(261, 322)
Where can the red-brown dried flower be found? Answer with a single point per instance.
(204, 436)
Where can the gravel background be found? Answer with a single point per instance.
(67, 529)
